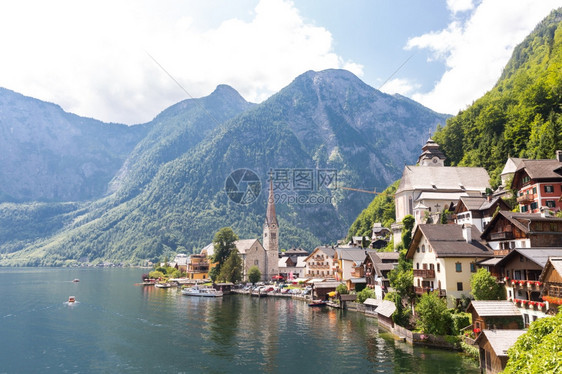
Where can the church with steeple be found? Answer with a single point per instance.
(264, 254)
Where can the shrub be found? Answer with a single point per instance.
(460, 321)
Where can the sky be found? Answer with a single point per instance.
(126, 61)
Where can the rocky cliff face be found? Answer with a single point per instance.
(47, 154)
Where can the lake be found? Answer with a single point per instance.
(119, 327)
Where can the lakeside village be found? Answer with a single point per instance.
(467, 271)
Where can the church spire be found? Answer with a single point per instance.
(270, 216)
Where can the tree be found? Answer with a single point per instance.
(433, 315)
(402, 315)
(254, 274)
(408, 222)
(402, 277)
(224, 243)
(484, 286)
(342, 289)
(231, 271)
(538, 350)
(365, 294)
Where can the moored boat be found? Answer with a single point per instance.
(163, 285)
(71, 299)
(202, 291)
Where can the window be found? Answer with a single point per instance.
(458, 267)
(417, 265)
(535, 190)
(418, 249)
(534, 205)
(550, 203)
(548, 188)
(459, 286)
(256, 262)
(472, 267)
(525, 179)
(438, 268)
(423, 248)
(524, 208)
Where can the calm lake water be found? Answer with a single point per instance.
(119, 327)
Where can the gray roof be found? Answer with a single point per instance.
(444, 178)
(352, 254)
(327, 285)
(501, 340)
(490, 261)
(478, 202)
(520, 220)
(541, 169)
(494, 308)
(373, 302)
(386, 308)
(388, 255)
(244, 245)
(448, 241)
(538, 255)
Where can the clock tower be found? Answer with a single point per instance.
(271, 237)
(431, 154)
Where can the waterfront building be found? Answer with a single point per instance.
(444, 259)
(493, 346)
(377, 265)
(346, 261)
(320, 263)
(291, 263)
(198, 267)
(539, 184)
(494, 314)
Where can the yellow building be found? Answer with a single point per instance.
(198, 267)
(444, 258)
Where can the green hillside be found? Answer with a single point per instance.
(521, 115)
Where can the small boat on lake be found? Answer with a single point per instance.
(202, 291)
(76, 280)
(71, 299)
(163, 285)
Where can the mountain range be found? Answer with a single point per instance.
(162, 189)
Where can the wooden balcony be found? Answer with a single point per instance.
(422, 290)
(424, 273)
(526, 198)
(553, 289)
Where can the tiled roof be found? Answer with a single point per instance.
(538, 255)
(386, 308)
(448, 241)
(494, 308)
(501, 340)
(444, 178)
(244, 245)
(520, 220)
(541, 169)
(351, 254)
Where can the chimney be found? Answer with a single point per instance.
(559, 155)
(467, 232)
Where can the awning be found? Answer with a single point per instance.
(358, 280)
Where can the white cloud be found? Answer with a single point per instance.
(400, 86)
(476, 50)
(90, 57)
(457, 6)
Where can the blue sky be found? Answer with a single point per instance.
(92, 57)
